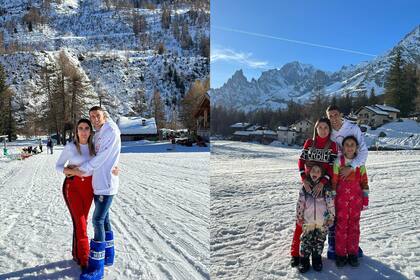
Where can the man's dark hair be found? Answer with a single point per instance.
(333, 108)
(96, 108)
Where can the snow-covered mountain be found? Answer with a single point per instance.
(101, 41)
(298, 81)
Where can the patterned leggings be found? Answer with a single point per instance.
(312, 241)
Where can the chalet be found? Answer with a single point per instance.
(304, 127)
(137, 128)
(376, 115)
(202, 117)
(287, 135)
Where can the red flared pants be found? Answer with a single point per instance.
(78, 194)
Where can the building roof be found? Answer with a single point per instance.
(254, 132)
(134, 126)
(308, 121)
(254, 127)
(375, 110)
(387, 108)
(240, 125)
(263, 132)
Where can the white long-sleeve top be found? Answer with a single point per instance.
(347, 129)
(70, 156)
(108, 147)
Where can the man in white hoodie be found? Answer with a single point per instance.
(107, 143)
(342, 128)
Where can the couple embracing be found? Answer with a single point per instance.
(334, 192)
(90, 165)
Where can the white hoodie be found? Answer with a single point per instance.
(108, 147)
(348, 129)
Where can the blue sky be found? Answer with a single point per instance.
(259, 35)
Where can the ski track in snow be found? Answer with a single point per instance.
(160, 218)
(253, 196)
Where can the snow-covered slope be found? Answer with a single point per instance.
(106, 49)
(395, 135)
(160, 216)
(298, 81)
(253, 215)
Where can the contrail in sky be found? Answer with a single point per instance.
(291, 40)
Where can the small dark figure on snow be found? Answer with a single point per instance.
(50, 145)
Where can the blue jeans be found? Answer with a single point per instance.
(100, 217)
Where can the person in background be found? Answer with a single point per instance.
(50, 145)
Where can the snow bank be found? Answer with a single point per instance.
(399, 135)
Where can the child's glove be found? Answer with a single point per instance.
(365, 199)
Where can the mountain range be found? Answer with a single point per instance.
(297, 81)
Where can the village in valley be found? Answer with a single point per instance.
(369, 118)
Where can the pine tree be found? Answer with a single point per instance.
(372, 97)
(186, 39)
(7, 120)
(409, 90)
(166, 17)
(318, 103)
(9, 128)
(394, 82)
(139, 102)
(3, 101)
(361, 100)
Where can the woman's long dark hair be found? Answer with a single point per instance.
(90, 139)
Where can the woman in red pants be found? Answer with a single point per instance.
(78, 191)
(322, 151)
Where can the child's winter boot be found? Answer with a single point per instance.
(317, 262)
(304, 264)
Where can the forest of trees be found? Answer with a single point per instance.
(7, 113)
(65, 91)
(402, 86)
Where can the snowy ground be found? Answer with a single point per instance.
(253, 195)
(160, 216)
(399, 135)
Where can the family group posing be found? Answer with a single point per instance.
(335, 191)
(90, 165)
